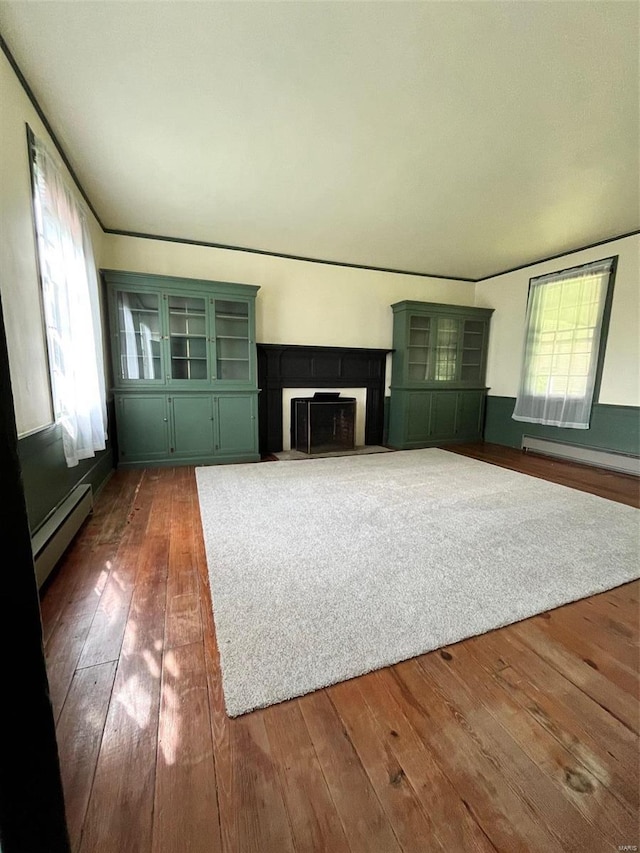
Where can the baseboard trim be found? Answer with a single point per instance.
(54, 536)
(616, 461)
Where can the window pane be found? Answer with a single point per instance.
(564, 317)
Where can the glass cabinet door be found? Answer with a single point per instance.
(472, 349)
(232, 340)
(139, 333)
(418, 354)
(187, 337)
(446, 349)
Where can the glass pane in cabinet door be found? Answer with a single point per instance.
(473, 336)
(418, 354)
(232, 340)
(188, 337)
(139, 333)
(446, 350)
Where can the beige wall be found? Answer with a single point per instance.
(507, 294)
(299, 302)
(19, 282)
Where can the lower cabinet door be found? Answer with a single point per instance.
(143, 427)
(469, 414)
(418, 414)
(237, 424)
(193, 425)
(443, 414)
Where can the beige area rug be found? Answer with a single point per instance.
(325, 571)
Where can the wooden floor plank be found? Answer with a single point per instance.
(509, 819)
(253, 817)
(104, 639)
(365, 824)
(120, 812)
(184, 618)
(186, 807)
(597, 739)
(609, 820)
(314, 820)
(454, 824)
(94, 545)
(63, 653)
(596, 619)
(412, 826)
(59, 588)
(617, 702)
(617, 662)
(79, 733)
(525, 775)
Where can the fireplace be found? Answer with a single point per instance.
(323, 423)
(288, 394)
(355, 371)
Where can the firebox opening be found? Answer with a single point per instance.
(323, 423)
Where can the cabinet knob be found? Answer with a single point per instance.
(165, 419)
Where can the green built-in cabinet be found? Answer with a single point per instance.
(184, 369)
(438, 374)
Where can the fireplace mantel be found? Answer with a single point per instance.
(298, 366)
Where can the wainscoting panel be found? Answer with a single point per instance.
(613, 428)
(46, 478)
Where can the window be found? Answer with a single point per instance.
(566, 323)
(70, 307)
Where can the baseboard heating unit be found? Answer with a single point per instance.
(624, 462)
(53, 537)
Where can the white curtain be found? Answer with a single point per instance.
(563, 330)
(70, 303)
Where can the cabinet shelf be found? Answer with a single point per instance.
(154, 336)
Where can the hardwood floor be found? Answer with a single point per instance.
(524, 739)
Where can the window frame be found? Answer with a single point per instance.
(600, 343)
(54, 419)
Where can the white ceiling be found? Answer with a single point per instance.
(454, 138)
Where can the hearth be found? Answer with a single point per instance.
(323, 423)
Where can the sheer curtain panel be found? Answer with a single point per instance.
(70, 297)
(563, 338)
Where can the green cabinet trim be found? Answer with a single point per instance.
(170, 282)
(184, 369)
(438, 374)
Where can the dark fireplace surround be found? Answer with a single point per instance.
(295, 366)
